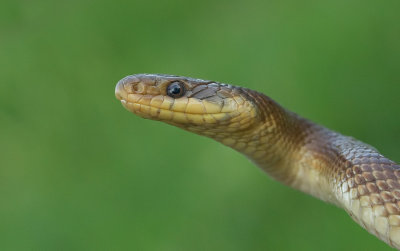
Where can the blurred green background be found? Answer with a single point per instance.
(78, 172)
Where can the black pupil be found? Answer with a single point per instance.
(175, 89)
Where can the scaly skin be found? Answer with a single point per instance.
(293, 150)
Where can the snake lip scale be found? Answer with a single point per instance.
(291, 149)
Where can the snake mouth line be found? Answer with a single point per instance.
(125, 102)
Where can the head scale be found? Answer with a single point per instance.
(201, 106)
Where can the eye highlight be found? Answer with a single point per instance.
(176, 89)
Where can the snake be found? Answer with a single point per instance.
(291, 149)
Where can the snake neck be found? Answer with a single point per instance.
(272, 141)
(284, 145)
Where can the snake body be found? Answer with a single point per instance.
(293, 150)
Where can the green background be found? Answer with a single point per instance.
(78, 172)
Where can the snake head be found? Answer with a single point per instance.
(201, 106)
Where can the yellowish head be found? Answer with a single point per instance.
(200, 106)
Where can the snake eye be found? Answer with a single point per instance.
(176, 89)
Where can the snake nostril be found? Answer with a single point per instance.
(129, 83)
(135, 88)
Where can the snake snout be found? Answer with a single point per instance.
(128, 85)
(120, 92)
